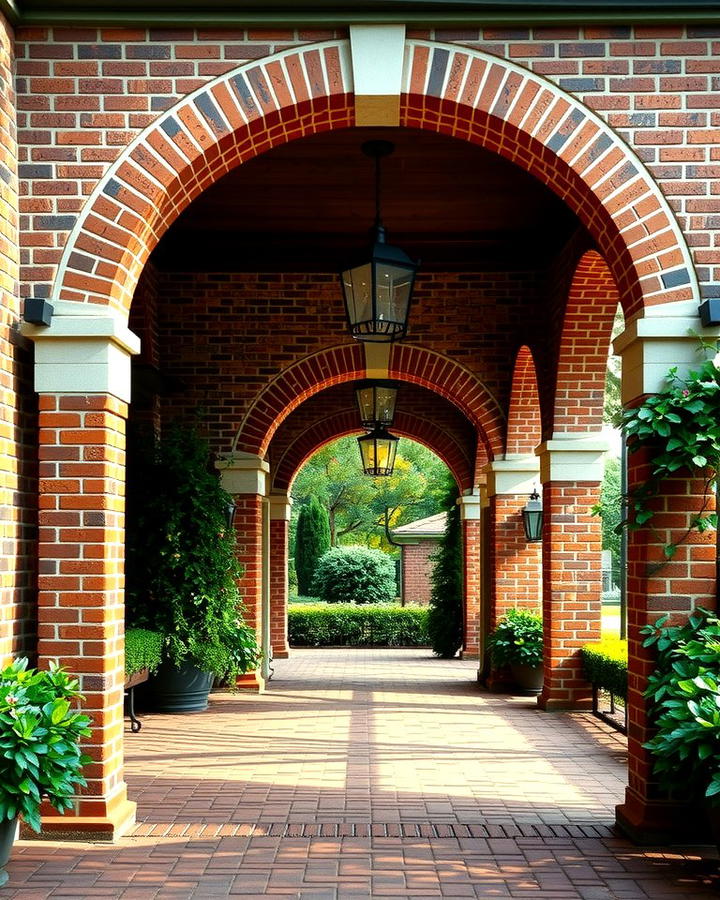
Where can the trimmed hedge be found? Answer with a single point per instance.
(143, 650)
(605, 665)
(355, 575)
(346, 625)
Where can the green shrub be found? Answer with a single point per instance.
(40, 736)
(355, 575)
(143, 650)
(312, 541)
(606, 665)
(445, 622)
(517, 639)
(684, 707)
(181, 566)
(326, 625)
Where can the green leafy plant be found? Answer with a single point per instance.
(445, 622)
(312, 540)
(40, 735)
(355, 575)
(684, 707)
(182, 570)
(343, 625)
(143, 650)
(517, 639)
(681, 427)
(605, 665)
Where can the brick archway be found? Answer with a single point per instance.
(524, 427)
(584, 344)
(345, 423)
(417, 365)
(453, 90)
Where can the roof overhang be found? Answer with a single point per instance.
(233, 13)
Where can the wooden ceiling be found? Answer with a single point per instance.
(308, 206)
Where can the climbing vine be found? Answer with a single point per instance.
(681, 427)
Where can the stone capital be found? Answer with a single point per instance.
(84, 350)
(514, 475)
(650, 346)
(469, 504)
(280, 506)
(243, 473)
(572, 457)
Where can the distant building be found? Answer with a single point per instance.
(419, 541)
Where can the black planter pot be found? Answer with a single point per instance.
(8, 830)
(182, 690)
(528, 678)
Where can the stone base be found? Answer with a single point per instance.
(660, 822)
(470, 653)
(85, 828)
(281, 652)
(250, 681)
(563, 703)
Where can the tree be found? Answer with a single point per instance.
(312, 541)
(357, 505)
(445, 618)
(611, 509)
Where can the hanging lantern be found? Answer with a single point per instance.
(377, 451)
(378, 291)
(532, 514)
(376, 402)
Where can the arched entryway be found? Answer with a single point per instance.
(83, 358)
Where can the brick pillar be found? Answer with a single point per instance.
(279, 554)
(470, 518)
(516, 565)
(571, 469)
(656, 586)
(81, 540)
(245, 477)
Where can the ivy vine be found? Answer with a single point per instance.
(681, 427)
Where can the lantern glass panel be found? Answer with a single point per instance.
(377, 451)
(357, 286)
(376, 402)
(394, 285)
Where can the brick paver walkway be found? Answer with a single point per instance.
(369, 774)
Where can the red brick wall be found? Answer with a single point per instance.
(248, 528)
(472, 587)
(416, 571)
(18, 406)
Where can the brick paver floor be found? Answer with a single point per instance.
(369, 774)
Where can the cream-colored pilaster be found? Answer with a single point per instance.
(469, 504)
(243, 473)
(377, 360)
(571, 457)
(516, 475)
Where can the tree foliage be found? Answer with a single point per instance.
(445, 619)
(357, 504)
(312, 540)
(610, 509)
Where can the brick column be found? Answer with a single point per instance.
(571, 468)
(245, 477)
(82, 374)
(655, 585)
(279, 553)
(516, 565)
(470, 518)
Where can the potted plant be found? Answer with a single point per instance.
(40, 754)
(684, 709)
(517, 642)
(182, 569)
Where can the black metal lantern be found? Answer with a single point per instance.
(377, 292)
(377, 451)
(532, 514)
(230, 510)
(376, 402)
